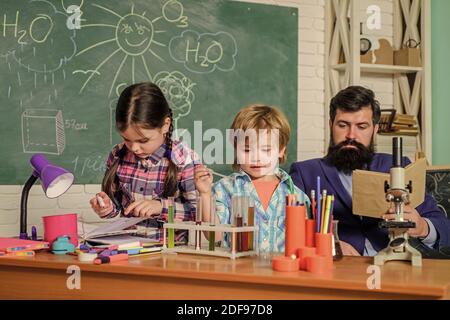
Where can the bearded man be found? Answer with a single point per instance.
(354, 117)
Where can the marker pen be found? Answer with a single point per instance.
(33, 233)
(101, 202)
(108, 259)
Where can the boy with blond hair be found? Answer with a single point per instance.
(260, 138)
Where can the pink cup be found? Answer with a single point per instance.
(61, 225)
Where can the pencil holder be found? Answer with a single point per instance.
(319, 264)
(61, 225)
(310, 231)
(285, 264)
(295, 229)
(324, 244)
(303, 253)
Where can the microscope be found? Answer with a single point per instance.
(397, 194)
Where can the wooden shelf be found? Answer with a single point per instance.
(380, 68)
(411, 85)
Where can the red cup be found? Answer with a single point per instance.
(303, 253)
(310, 231)
(324, 244)
(61, 225)
(285, 264)
(295, 229)
(319, 264)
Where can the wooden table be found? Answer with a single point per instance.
(182, 276)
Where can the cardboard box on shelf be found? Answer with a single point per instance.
(408, 57)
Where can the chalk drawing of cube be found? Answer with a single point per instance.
(43, 131)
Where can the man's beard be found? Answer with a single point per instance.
(349, 159)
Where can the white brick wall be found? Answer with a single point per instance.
(75, 200)
(310, 116)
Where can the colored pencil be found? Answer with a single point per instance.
(331, 214)
(324, 204)
(327, 215)
(313, 204)
(318, 205)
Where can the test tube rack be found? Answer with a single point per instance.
(230, 252)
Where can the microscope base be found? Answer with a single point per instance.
(406, 253)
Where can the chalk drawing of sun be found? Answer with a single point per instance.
(134, 36)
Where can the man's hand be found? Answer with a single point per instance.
(144, 208)
(420, 231)
(348, 250)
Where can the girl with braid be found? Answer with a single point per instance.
(148, 166)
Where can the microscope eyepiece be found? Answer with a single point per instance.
(397, 150)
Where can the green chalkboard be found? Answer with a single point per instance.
(438, 186)
(63, 64)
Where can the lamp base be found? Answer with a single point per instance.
(23, 236)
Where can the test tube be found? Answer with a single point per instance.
(212, 222)
(198, 221)
(239, 234)
(251, 219)
(170, 219)
(245, 214)
(234, 210)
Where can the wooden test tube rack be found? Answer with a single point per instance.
(230, 252)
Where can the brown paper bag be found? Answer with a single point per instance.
(408, 57)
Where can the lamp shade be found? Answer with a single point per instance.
(55, 180)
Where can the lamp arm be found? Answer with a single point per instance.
(23, 206)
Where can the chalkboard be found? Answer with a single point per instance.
(438, 185)
(64, 63)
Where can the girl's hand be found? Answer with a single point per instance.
(203, 180)
(102, 209)
(144, 208)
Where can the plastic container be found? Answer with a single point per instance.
(295, 229)
(319, 264)
(303, 253)
(310, 231)
(61, 225)
(324, 244)
(285, 264)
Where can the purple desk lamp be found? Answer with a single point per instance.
(55, 181)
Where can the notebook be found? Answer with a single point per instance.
(120, 226)
(13, 245)
(17, 254)
(123, 239)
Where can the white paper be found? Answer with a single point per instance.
(89, 231)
